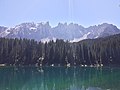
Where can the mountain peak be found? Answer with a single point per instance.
(71, 32)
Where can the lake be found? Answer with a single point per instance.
(59, 78)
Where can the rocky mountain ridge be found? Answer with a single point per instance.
(71, 32)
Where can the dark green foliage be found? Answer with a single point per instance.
(100, 51)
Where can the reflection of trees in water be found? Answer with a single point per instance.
(13, 78)
(58, 78)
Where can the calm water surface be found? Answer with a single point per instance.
(59, 78)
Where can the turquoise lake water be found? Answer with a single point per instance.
(59, 78)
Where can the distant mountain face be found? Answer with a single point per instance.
(71, 32)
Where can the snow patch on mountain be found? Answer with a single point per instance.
(44, 40)
(5, 33)
(33, 28)
(85, 36)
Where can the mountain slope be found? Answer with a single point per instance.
(71, 32)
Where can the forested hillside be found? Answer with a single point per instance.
(95, 52)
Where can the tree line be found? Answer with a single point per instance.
(92, 52)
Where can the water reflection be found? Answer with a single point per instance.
(59, 78)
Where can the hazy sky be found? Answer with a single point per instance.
(84, 12)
